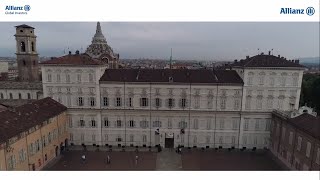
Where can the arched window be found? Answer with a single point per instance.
(32, 46)
(1, 95)
(105, 59)
(23, 46)
(19, 95)
(10, 95)
(29, 96)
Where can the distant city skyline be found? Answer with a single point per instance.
(189, 40)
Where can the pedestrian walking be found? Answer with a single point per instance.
(137, 160)
(108, 159)
(83, 159)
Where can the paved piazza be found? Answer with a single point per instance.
(168, 159)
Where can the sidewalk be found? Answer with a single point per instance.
(168, 160)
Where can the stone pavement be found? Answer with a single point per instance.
(168, 160)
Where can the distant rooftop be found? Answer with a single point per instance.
(21, 85)
(263, 60)
(72, 59)
(15, 102)
(176, 75)
(24, 26)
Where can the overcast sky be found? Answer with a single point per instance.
(190, 40)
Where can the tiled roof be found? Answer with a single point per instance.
(266, 61)
(15, 102)
(307, 123)
(73, 59)
(20, 119)
(24, 26)
(178, 76)
(21, 85)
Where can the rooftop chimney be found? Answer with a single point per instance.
(77, 52)
(247, 57)
(279, 56)
(262, 53)
(296, 61)
(269, 53)
(235, 61)
(69, 52)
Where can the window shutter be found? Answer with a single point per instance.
(173, 103)
(160, 102)
(140, 102)
(180, 103)
(115, 123)
(115, 102)
(141, 126)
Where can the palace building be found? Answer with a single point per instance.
(171, 107)
(295, 138)
(224, 108)
(32, 135)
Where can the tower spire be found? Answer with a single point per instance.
(98, 29)
(171, 59)
(98, 36)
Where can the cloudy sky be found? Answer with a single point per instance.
(189, 40)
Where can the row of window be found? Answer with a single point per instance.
(272, 79)
(271, 93)
(220, 139)
(220, 124)
(170, 103)
(11, 96)
(67, 77)
(270, 103)
(258, 125)
(131, 124)
(290, 140)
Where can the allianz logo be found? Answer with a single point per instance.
(291, 11)
(14, 8)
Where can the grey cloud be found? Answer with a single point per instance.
(193, 40)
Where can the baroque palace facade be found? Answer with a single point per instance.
(207, 107)
(146, 107)
(204, 107)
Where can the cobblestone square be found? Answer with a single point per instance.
(96, 161)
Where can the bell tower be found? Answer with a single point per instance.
(26, 51)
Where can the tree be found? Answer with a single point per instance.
(310, 91)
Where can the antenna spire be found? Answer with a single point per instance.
(171, 59)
